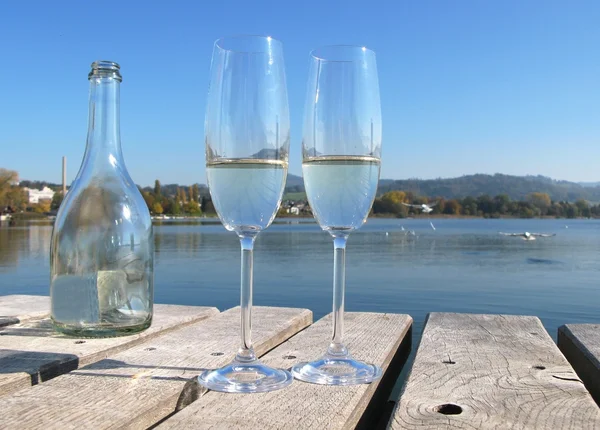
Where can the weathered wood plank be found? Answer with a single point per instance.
(377, 338)
(20, 308)
(141, 386)
(33, 352)
(492, 372)
(580, 343)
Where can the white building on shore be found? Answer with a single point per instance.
(36, 195)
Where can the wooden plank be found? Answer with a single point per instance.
(141, 386)
(20, 308)
(492, 371)
(377, 338)
(33, 352)
(580, 343)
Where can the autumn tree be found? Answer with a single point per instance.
(157, 208)
(149, 199)
(391, 203)
(7, 177)
(540, 200)
(183, 197)
(42, 206)
(16, 198)
(395, 196)
(7, 180)
(193, 208)
(157, 191)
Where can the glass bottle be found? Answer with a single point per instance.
(102, 249)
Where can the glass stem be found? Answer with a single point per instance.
(246, 352)
(336, 347)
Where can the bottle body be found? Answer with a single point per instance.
(102, 248)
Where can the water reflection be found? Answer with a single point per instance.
(23, 241)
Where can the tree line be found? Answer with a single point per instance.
(171, 199)
(14, 197)
(534, 205)
(195, 200)
(182, 200)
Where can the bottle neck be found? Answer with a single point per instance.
(104, 134)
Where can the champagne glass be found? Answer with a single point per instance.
(341, 152)
(247, 132)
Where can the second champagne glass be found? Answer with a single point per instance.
(341, 152)
(247, 133)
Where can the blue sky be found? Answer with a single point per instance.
(467, 86)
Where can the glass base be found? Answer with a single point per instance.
(101, 330)
(330, 370)
(252, 377)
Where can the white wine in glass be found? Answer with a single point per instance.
(247, 132)
(342, 189)
(245, 191)
(341, 158)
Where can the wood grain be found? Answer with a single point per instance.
(580, 343)
(375, 338)
(142, 385)
(20, 308)
(492, 372)
(32, 352)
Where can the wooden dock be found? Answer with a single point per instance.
(492, 372)
(470, 372)
(15, 309)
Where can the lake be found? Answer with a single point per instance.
(464, 265)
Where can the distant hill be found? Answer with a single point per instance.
(294, 184)
(516, 187)
(589, 184)
(293, 180)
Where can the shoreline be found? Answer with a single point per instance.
(304, 218)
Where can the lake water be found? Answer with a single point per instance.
(461, 266)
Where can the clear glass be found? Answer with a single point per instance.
(341, 152)
(247, 143)
(102, 247)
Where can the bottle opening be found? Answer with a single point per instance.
(105, 69)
